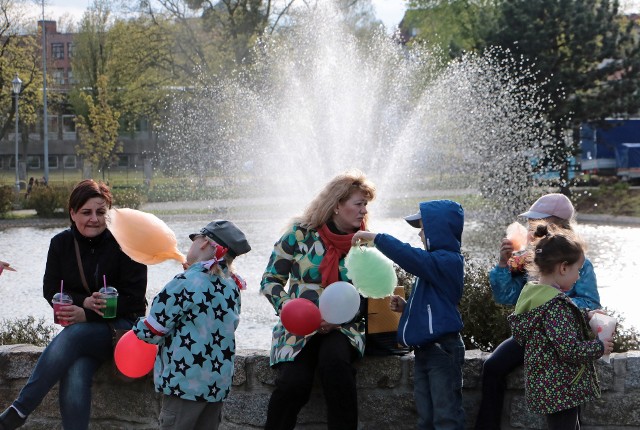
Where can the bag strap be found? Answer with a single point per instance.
(84, 280)
(114, 338)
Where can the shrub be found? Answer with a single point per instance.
(485, 321)
(26, 330)
(127, 198)
(49, 201)
(6, 199)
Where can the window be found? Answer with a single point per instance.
(70, 79)
(123, 161)
(70, 50)
(58, 76)
(57, 51)
(33, 162)
(68, 124)
(69, 161)
(53, 124)
(53, 162)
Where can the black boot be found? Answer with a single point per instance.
(10, 419)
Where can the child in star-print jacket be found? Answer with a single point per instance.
(193, 322)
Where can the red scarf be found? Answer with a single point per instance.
(336, 247)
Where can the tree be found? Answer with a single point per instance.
(213, 37)
(19, 53)
(98, 131)
(91, 56)
(588, 63)
(449, 27)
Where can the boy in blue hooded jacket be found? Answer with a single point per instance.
(431, 322)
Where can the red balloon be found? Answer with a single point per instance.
(300, 316)
(134, 357)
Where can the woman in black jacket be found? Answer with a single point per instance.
(86, 340)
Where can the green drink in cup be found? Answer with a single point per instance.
(110, 294)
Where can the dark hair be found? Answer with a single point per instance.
(85, 190)
(551, 246)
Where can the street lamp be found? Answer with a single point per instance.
(17, 85)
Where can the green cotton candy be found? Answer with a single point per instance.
(371, 272)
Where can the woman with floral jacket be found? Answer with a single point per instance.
(306, 259)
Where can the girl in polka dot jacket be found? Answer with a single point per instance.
(559, 348)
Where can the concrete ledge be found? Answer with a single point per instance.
(385, 390)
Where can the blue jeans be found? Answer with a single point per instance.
(438, 383)
(71, 359)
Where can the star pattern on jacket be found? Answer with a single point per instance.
(197, 313)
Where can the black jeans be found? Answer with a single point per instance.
(564, 420)
(332, 355)
(504, 359)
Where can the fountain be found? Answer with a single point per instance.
(320, 100)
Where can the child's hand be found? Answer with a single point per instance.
(608, 346)
(506, 250)
(590, 314)
(362, 237)
(397, 303)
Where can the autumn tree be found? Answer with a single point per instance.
(98, 130)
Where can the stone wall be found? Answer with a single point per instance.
(384, 390)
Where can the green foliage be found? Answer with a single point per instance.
(485, 321)
(181, 190)
(6, 199)
(617, 199)
(98, 131)
(577, 46)
(625, 338)
(127, 197)
(26, 330)
(19, 55)
(451, 27)
(48, 201)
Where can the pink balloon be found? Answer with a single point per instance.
(300, 316)
(134, 357)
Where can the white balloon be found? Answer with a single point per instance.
(339, 302)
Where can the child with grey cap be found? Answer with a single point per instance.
(193, 322)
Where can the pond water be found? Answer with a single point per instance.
(612, 249)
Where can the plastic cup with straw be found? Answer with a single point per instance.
(59, 301)
(110, 294)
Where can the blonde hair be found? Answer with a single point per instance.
(551, 246)
(338, 190)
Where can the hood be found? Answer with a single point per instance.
(530, 309)
(443, 221)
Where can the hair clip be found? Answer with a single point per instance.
(539, 251)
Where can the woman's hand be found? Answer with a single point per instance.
(71, 314)
(95, 303)
(326, 327)
(397, 303)
(506, 250)
(362, 237)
